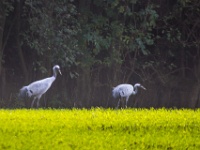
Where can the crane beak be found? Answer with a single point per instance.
(143, 87)
(59, 72)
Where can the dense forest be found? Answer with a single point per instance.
(99, 44)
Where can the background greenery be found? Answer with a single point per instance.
(99, 44)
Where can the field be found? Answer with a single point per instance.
(123, 129)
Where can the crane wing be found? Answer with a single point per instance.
(125, 90)
(41, 86)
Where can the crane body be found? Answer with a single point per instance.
(125, 91)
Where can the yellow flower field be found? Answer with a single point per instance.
(97, 128)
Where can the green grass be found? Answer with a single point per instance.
(129, 129)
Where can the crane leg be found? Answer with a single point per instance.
(33, 102)
(118, 103)
(126, 102)
(38, 102)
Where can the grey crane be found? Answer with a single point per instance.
(125, 91)
(36, 89)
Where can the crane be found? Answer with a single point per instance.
(36, 89)
(125, 91)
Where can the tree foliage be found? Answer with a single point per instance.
(52, 31)
(106, 43)
(124, 24)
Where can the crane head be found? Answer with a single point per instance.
(59, 71)
(143, 87)
(140, 85)
(57, 68)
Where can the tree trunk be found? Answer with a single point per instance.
(2, 24)
(18, 41)
(195, 92)
(183, 63)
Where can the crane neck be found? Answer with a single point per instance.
(135, 90)
(55, 73)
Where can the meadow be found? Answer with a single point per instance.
(98, 128)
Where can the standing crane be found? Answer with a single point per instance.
(36, 89)
(125, 91)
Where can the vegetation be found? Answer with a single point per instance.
(99, 129)
(99, 44)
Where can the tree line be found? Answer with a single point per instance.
(100, 44)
